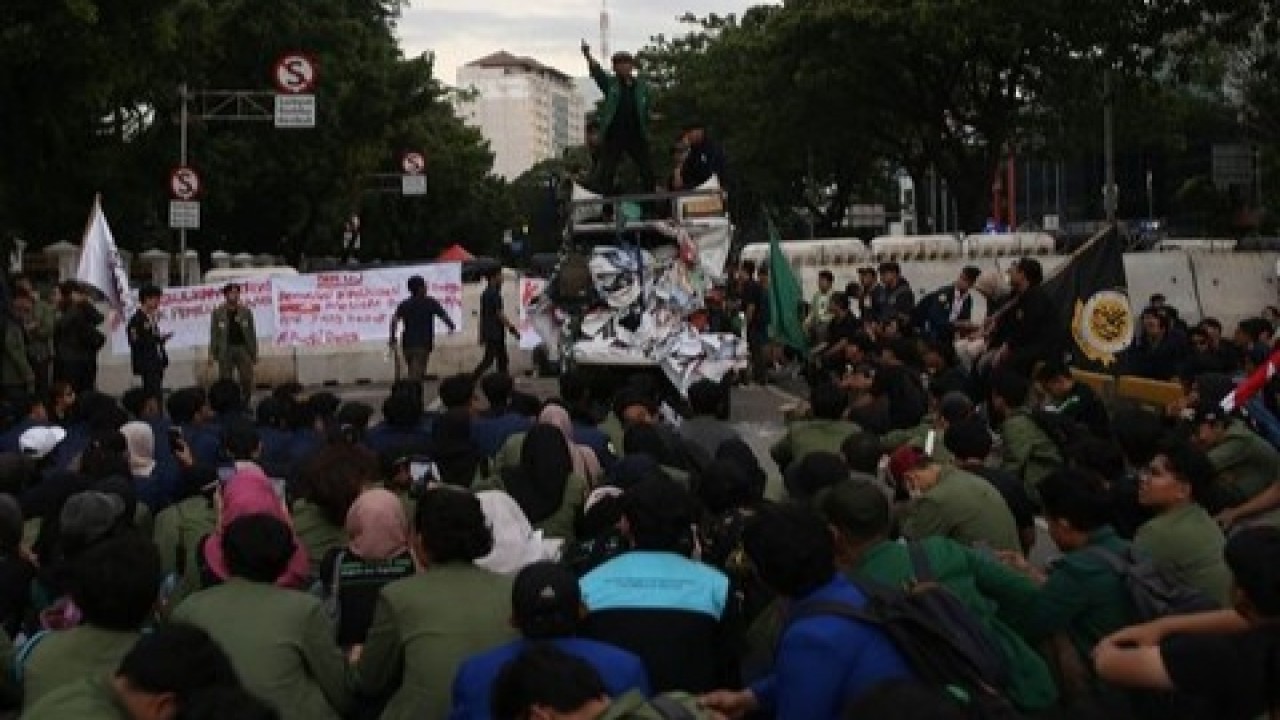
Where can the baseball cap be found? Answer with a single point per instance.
(546, 600)
(904, 460)
(90, 515)
(38, 442)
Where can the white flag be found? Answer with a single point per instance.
(100, 263)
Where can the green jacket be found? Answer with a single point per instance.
(219, 332)
(15, 368)
(424, 627)
(177, 534)
(964, 508)
(1243, 465)
(561, 522)
(988, 589)
(1028, 452)
(612, 89)
(281, 643)
(61, 657)
(84, 699)
(1083, 597)
(40, 334)
(316, 532)
(182, 524)
(1188, 544)
(807, 436)
(612, 427)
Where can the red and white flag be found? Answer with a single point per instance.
(1252, 384)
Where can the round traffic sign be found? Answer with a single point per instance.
(413, 163)
(295, 73)
(184, 183)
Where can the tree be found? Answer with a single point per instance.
(950, 86)
(104, 117)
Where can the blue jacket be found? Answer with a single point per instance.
(825, 662)
(384, 439)
(620, 670)
(596, 439)
(489, 432)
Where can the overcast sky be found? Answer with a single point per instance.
(459, 31)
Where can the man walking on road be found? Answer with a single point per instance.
(493, 326)
(623, 120)
(418, 313)
(233, 339)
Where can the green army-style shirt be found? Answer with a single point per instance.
(964, 508)
(1188, 544)
(1243, 465)
(1028, 452)
(62, 657)
(809, 436)
(424, 627)
(281, 643)
(84, 699)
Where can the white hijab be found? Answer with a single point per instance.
(515, 542)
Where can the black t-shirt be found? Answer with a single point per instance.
(843, 328)
(904, 393)
(418, 314)
(626, 121)
(359, 582)
(491, 328)
(1238, 674)
(753, 294)
(235, 333)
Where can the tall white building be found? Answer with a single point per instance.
(527, 111)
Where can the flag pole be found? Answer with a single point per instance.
(88, 228)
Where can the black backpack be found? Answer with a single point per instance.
(1154, 592)
(937, 635)
(941, 641)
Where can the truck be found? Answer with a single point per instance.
(629, 292)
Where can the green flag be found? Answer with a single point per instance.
(785, 325)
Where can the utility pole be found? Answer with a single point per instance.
(1110, 193)
(604, 29)
(182, 160)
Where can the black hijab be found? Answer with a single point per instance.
(537, 485)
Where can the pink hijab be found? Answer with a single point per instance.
(585, 462)
(377, 526)
(249, 492)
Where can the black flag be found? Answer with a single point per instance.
(1091, 293)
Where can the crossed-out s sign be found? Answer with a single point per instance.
(295, 73)
(184, 183)
(413, 163)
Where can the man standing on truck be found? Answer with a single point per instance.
(623, 120)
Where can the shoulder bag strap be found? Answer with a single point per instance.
(920, 566)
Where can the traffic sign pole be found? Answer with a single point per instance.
(182, 159)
